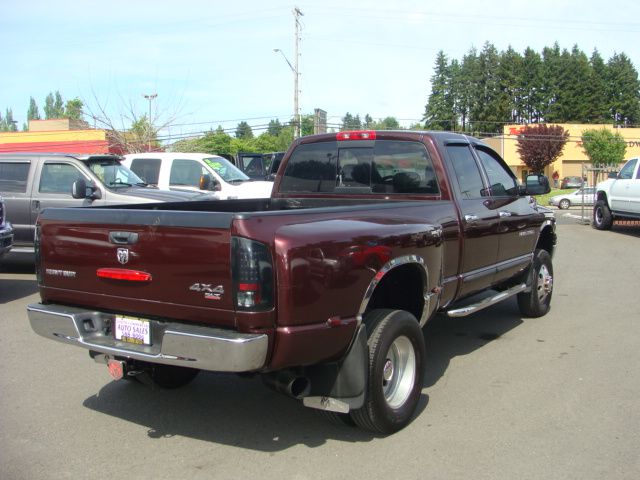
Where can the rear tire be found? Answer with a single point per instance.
(564, 204)
(396, 367)
(602, 218)
(537, 301)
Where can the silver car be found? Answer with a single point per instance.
(582, 196)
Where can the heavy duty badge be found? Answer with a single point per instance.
(123, 255)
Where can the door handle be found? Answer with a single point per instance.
(470, 218)
(35, 205)
(504, 214)
(123, 238)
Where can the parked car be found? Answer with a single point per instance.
(197, 171)
(6, 231)
(571, 182)
(582, 196)
(30, 182)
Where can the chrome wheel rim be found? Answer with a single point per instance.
(544, 285)
(399, 372)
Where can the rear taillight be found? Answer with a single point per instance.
(252, 274)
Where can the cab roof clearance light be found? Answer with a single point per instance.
(356, 135)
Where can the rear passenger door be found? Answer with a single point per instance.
(16, 178)
(480, 222)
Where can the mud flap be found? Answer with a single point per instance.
(345, 381)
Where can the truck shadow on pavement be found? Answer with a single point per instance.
(241, 411)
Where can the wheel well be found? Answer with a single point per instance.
(401, 289)
(601, 196)
(547, 240)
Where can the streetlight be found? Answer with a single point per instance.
(296, 107)
(149, 97)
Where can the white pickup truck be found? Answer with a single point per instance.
(618, 198)
(194, 172)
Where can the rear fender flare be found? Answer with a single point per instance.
(429, 296)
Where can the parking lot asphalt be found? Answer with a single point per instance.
(504, 397)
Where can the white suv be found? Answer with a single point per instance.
(618, 197)
(196, 171)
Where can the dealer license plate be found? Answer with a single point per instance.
(133, 330)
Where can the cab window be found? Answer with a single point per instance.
(502, 182)
(627, 171)
(58, 178)
(186, 173)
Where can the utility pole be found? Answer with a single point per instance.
(149, 97)
(296, 70)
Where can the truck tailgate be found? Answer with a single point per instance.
(146, 262)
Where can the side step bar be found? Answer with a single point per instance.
(487, 302)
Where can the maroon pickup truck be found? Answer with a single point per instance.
(321, 289)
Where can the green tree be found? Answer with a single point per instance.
(274, 128)
(488, 112)
(54, 106)
(439, 113)
(624, 91)
(73, 109)
(597, 90)
(465, 94)
(349, 122)
(33, 113)
(511, 95)
(540, 145)
(551, 74)
(603, 147)
(8, 124)
(532, 94)
(243, 131)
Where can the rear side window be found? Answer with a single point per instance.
(13, 176)
(384, 167)
(467, 172)
(148, 169)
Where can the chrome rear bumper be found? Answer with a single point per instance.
(205, 348)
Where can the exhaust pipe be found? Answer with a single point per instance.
(289, 383)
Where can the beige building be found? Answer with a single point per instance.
(573, 160)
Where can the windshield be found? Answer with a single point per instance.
(113, 174)
(227, 170)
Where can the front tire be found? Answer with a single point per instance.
(537, 301)
(396, 367)
(564, 204)
(602, 218)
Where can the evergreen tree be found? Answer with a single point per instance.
(511, 86)
(488, 112)
(597, 90)
(349, 122)
(439, 112)
(274, 128)
(532, 84)
(466, 88)
(551, 74)
(7, 124)
(33, 113)
(624, 91)
(573, 90)
(243, 131)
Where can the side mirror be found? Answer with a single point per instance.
(205, 182)
(537, 185)
(208, 183)
(80, 189)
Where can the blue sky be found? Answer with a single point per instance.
(212, 63)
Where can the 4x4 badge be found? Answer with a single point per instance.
(123, 255)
